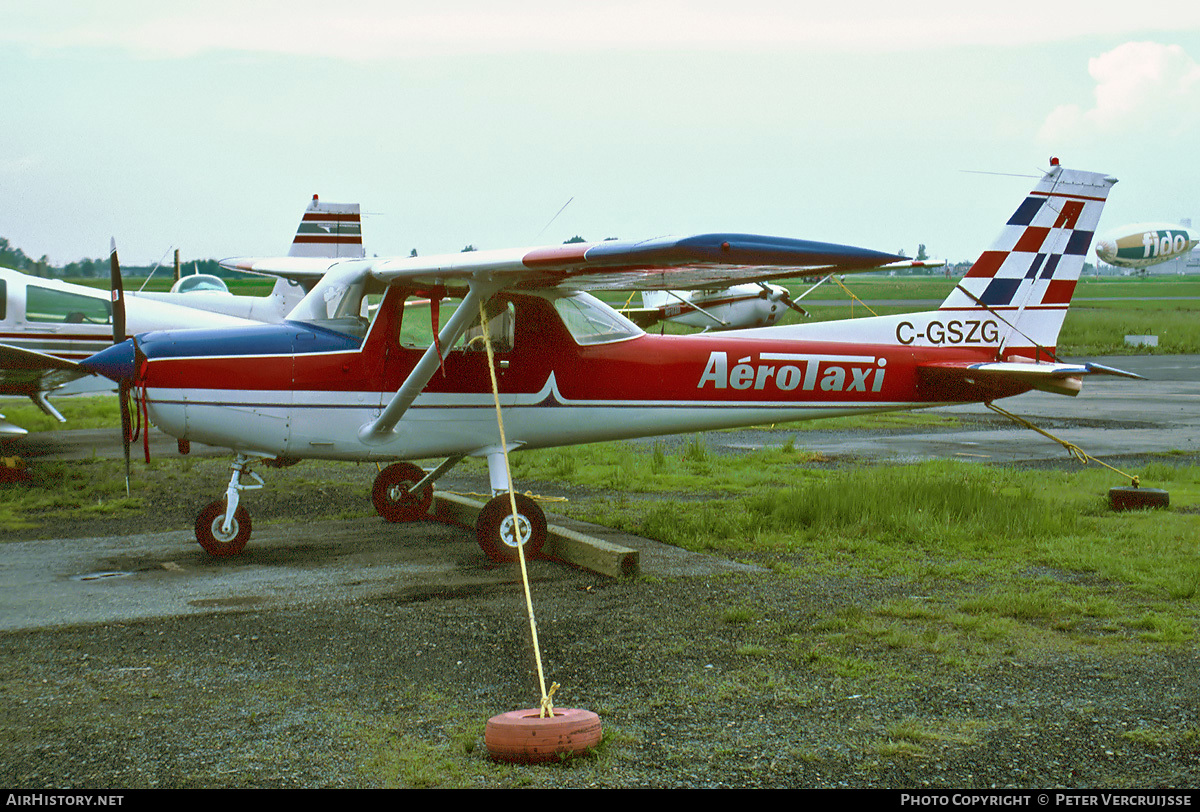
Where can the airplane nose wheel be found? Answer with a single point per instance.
(214, 538)
(499, 535)
(391, 494)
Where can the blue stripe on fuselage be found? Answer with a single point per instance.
(287, 338)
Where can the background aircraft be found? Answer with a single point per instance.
(756, 305)
(731, 308)
(1142, 245)
(345, 378)
(46, 325)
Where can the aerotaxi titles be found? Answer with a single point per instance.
(786, 371)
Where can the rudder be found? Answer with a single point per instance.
(329, 230)
(1029, 274)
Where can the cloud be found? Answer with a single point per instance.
(1140, 87)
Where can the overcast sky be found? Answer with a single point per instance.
(208, 126)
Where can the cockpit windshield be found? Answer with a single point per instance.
(344, 300)
(590, 321)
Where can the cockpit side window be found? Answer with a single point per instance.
(417, 327)
(59, 306)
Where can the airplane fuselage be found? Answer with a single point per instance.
(297, 390)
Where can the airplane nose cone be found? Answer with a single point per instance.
(115, 363)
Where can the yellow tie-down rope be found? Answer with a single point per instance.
(1073, 449)
(546, 705)
(850, 293)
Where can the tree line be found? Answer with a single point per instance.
(16, 259)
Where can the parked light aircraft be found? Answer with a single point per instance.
(414, 382)
(731, 308)
(46, 325)
(728, 308)
(1143, 245)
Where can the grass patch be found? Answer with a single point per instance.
(81, 412)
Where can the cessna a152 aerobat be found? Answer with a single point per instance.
(389, 359)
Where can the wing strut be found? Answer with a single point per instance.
(378, 430)
(698, 309)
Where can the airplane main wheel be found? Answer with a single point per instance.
(213, 539)
(393, 497)
(498, 533)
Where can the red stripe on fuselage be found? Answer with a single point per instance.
(654, 369)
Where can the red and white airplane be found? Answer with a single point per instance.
(376, 364)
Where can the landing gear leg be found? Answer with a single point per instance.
(223, 527)
(499, 532)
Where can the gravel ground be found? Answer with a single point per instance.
(759, 678)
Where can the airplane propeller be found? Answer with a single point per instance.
(128, 380)
(118, 322)
(778, 294)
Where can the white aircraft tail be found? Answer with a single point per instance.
(329, 230)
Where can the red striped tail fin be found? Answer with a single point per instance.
(329, 230)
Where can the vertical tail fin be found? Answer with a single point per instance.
(1027, 277)
(329, 230)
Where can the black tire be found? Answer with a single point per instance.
(391, 494)
(208, 530)
(1130, 498)
(494, 528)
(524, 737)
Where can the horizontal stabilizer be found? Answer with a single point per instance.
(1058, 378)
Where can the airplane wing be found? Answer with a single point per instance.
(24, 372)
(1059, 378)
(663, 263)
(304, 271)
(32, 374)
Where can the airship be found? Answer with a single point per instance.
(1141, 245)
